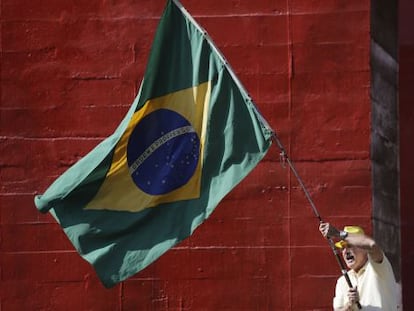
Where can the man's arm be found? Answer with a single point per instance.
(365, 242)
(357, 240)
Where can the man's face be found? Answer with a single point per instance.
(355, 258)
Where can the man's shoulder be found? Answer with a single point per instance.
(383, 268)
(385, 263)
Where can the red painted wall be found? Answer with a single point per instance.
(70, 70)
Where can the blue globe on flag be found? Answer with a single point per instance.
(163, 152)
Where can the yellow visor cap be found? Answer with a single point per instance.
(349, 229)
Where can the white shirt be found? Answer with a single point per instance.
(376, 287)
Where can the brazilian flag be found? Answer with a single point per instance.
(191, 135)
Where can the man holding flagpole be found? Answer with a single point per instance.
(371, 274)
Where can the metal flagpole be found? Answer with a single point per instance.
(285, 157)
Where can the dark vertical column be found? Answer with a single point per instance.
(384, 133)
